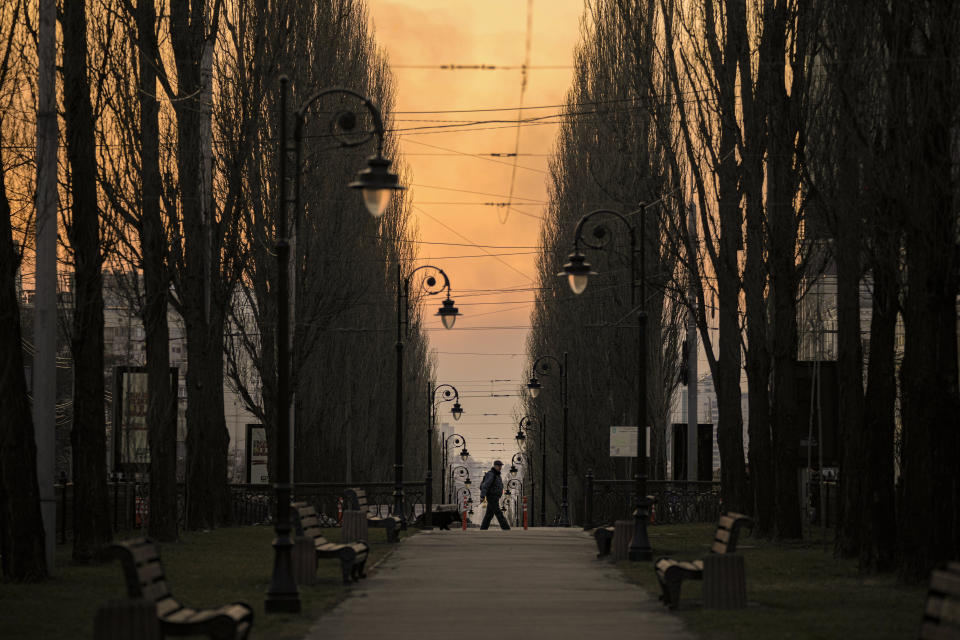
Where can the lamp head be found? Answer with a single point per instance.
(457, 411)
(520, 437)
(377, 184)
(513, 471)
(464, 454)
(534, 386)
(577, 271)
(467, 482)
(448, 313)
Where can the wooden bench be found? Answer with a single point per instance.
(941, 614)
(356, 498)
(352, 555)
(671, 573)
(146, 580)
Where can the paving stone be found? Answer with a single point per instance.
(540, 583)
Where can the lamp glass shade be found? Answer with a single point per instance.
(578, 282)
(448, 313)
(513, 471)
(376, 200)
(464, 454)
(457, 411)
(534, 387)
(376, 182)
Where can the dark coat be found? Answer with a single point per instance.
(492, 486)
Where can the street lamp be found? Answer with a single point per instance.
(578, 272)
(449, 393)
(448, 314)
(458, 441)
(377, 183)
(523, 425)
(542, 365)
(464, 498)
(517, 485)
(462, 474)
(516, 460)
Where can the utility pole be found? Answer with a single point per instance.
(45, 284)
(692, 350)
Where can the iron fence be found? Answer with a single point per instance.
(129, 503)
(675, 501)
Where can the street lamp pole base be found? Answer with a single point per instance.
(282, 595)
(564, 515)
(640, 549)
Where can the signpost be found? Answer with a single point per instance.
(623, 442)
(257, 455)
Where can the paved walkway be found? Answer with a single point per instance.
(540, 583)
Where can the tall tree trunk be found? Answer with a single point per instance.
(758, 366)
(161, 409)
(22, 535)
(755, 279)
(780, 98)
(208, 502)
(207, 438)
(930, 522)
(849, 365)
(733, 474)
(878, 539)
(91, 525)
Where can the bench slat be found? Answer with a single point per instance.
(150, 573)
(168, 605)
(930, 631)
(144, 553)
(156, 591)
(945, 582)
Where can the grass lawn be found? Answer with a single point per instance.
(794, 590)
(203, 570)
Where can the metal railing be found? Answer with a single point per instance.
(129, 503)
(676, 501)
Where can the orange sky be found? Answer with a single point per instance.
(432, 33)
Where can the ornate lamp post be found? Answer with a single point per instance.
(461, 473)
(448, 315)
(517, 459)
(524, 425)
(457, 441)
(517, 486)
(449, 393)
(542, 365)
(377, 183)
(578, 271)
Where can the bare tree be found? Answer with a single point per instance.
(91, 526)
(21, 527)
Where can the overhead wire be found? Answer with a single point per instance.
(523, 91)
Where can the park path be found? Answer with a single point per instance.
(540, 583)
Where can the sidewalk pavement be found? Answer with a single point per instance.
(526, 585)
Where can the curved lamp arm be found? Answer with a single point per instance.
(448, 312)
(449, 393)
(542, 366)
(346, 120)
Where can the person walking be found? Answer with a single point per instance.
(490, 490)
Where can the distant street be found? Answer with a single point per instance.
(523, 585)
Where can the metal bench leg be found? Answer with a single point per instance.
(673, 582)
(358, 570)
(346, 567)
(391, 528)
